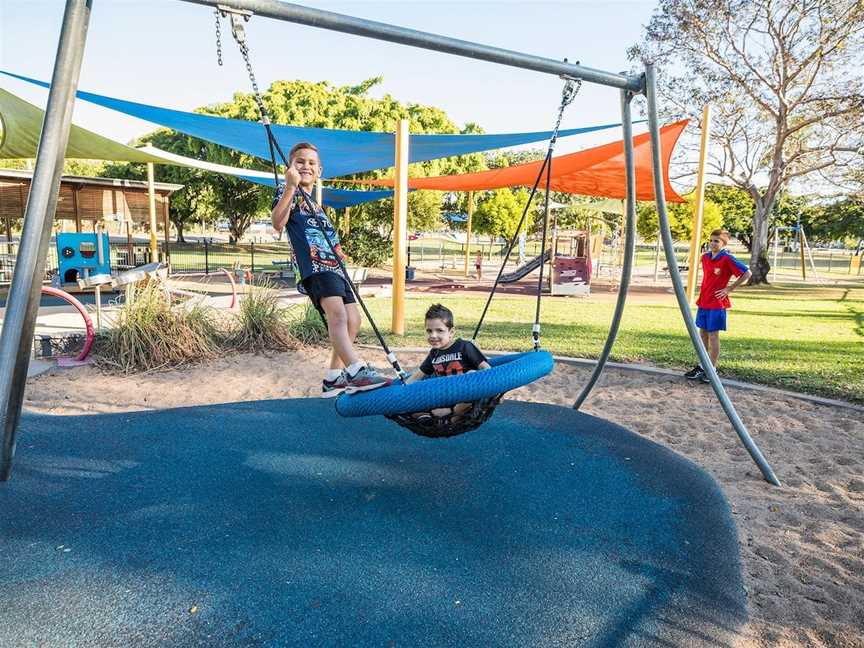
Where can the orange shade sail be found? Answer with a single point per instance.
(597, 171)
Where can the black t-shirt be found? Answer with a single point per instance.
(311, 250)
(459, 357)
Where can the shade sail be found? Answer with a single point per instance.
(22, 125)
(343, 152)
(597, 171)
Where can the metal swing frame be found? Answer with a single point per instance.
(23, 301)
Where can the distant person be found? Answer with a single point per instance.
(320, 272)
(478, 264)
(718, 267)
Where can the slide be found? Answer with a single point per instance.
(525, 269)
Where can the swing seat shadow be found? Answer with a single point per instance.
(277, 523)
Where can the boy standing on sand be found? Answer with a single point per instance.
(718, 266)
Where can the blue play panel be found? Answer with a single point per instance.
(277, 523)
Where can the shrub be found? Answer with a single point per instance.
(367, 248)
(306, 325)
(152, 332)
(262, 324)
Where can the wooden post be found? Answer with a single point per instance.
(696, 236)
(75, 208)
(151, 195)
(468, 230)
(346, 227)
(166, 223)
(400, 227)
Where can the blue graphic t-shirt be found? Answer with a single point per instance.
(311, 251)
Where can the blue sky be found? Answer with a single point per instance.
(163, 52)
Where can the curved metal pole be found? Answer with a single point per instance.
(659, 192)
(23, 305)
(629, 246)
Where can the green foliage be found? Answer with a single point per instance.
(680, 219)
(301, 103)
(736, 208)
(150, 333)
(262, 324)
(841, 219)
(366, 247)
(499, 211)
(306, 326)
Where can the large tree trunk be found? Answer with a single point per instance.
(759, 264)
(178, 224)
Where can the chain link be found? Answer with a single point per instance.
(244, 51)
(218, 38)
(568, 94)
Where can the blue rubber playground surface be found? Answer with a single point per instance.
(278, 523)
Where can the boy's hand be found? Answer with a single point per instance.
(292, 178)
(723, 293)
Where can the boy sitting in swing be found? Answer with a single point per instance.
(447, 357)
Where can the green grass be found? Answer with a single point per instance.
(803, 338)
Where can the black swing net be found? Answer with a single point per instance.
(460, 417)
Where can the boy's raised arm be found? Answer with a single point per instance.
(281, 210)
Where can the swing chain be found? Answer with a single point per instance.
(218, 38)
(568, 94)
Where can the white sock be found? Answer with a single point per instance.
(332, 374)
(354, 368)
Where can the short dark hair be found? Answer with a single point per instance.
(299, 147)
(439, 311)
(722, 234)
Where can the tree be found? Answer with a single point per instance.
(499, 211)
(843, 218)
(680, 220)
(194, 201)
(304, 103)
(784, 77)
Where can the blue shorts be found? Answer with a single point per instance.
(711, 319)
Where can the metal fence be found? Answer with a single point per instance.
(209, 256)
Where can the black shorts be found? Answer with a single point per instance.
(327, 284)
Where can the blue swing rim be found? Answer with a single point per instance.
(506, 373)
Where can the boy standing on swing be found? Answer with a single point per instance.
(320, 273)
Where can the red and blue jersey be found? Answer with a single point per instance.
(716, 272)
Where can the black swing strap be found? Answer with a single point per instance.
(571, 89)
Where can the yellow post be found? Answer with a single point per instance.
(319, 190)
(346, 227)
(151, 202)
(468, 230)
(696, 236)
(400, 227)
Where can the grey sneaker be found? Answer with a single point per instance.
(366, 379)
(331, 388)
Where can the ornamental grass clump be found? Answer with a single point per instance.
(152, 331)
(262, 323)
(307, 327)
